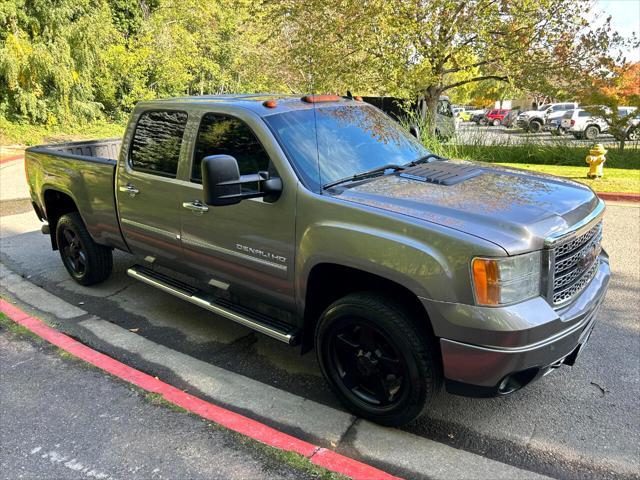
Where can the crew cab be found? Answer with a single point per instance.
(321, 222)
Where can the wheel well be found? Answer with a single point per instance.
(328, 282)
(57, 204)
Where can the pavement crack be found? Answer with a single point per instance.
(316, 450)
(346, 433)
(120, 290)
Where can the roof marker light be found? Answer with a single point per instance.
(270, 103)
(320, 98)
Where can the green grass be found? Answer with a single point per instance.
(27, 135)
(619, 180)
(17, 330)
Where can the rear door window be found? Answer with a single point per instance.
(225, 135)
(156, 143)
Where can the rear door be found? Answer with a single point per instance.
(147, 191)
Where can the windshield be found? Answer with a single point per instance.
(351, 139)
(543, 108)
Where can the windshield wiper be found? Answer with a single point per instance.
(363, 175)
(424, 159)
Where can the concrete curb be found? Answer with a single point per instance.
(620, 196)
(258, 431)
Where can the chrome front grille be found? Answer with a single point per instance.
(575, 263)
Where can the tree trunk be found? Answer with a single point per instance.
(429, 108)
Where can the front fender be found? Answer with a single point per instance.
(415, 265)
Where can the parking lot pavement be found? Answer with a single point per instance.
(578, 422)
(472, 134)
(61, 419)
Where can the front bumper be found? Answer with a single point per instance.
(494, 351)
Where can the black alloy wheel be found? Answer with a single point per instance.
(86, 261)
(378, 360)
(367, 363)
(72, 251)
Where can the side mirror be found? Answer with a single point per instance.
(415, 131)
(222, 182)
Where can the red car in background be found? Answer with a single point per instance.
(495, 117)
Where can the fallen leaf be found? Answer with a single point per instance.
(134, 330)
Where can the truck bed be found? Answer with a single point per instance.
(83, 171)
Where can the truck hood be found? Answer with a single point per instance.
(515, 209)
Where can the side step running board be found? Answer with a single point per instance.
(249, 318)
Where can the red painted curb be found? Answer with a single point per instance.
(233, 421)
(12, 158)
(620, 197)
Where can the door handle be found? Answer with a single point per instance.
(130, 189)
(196, 206)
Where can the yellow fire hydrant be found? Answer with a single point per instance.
(595, 160)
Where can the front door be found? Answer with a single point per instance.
(249, 247)
(147, 191)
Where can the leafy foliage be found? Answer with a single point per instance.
(67, 60)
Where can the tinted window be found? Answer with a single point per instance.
(155, 147)
(223, 135)
(346, 140)
(584, 114)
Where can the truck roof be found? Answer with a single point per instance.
(255, 102)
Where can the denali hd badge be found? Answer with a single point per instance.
(261, 253)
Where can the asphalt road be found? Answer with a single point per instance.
(61, 419)
(575, 423)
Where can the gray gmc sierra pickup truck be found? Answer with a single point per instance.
(320, 222)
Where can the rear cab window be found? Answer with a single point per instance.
(156, 143)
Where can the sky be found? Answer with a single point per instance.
(625, 18)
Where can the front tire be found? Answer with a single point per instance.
(378, 363)
(535, 127)
(496, 122)
(86, 261)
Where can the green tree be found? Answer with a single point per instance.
(426, 49)
(49, 52)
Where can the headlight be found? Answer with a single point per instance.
(501, 281)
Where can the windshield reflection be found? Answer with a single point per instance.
(350, 139)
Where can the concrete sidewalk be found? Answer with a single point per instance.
(62, 419)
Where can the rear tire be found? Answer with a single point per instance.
(86, 261)
(378, 363)
(496, 122)
(591, 132)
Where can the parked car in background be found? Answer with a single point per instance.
(495, 116)
(462, 114)
(533, 120)
(398, 108)
(479, 116)
(553, 123)
(510, 119)
(583, 124)
(633, 128)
